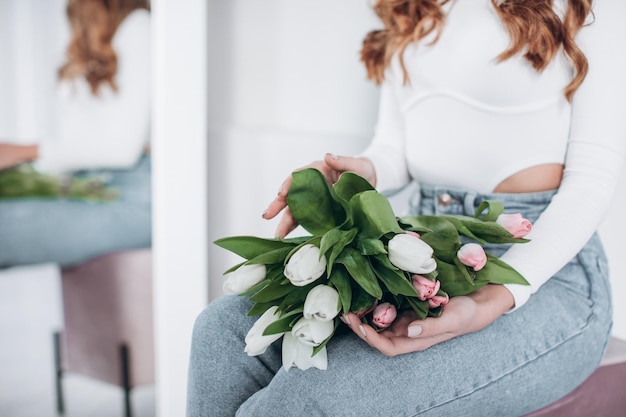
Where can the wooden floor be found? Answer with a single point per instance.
(30, 311)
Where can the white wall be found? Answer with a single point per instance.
(285, 86)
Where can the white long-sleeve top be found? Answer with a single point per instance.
(111, 129)
(466, 120)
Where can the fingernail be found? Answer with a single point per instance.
(264, 214)
(345, 319)
(280, 190)
(333, 156)
(362, 330)
(415, 331)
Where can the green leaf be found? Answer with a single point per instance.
(336, 240)
(497, 271)
(312, 204)
(282, 325)
(341, 280)
(361, 300)
(260, 308)
(361, 271)
(256, 288)
(454, 281)
(373, 215)
(461, 227)
(395, 280)
(249, 247)
(465, 271)
(484, 231)
(420, 307)
(350, 184)
(274, 291)
(371, 247)
(296, 297)
(494, 209)
(435, 312)
(276, 256)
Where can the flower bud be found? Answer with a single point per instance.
(300, 355)
(472, 255)
(305, 266)
(243, 278)
(515, 224)
(312, 332)
(322, 303)
(409, 253)
(438, 300)
(426, 288)
(256, 342)
(384, 314)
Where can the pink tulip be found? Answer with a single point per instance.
(363, 312)
(472, 255)
(515, 224)
(426, 288)
(438, 300)
(384, 315)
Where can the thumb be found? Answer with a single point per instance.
(361, 166)
(431, 327)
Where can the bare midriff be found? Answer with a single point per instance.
(538, 178)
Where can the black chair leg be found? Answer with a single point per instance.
(58, 372)
(125, 372)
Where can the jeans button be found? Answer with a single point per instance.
(444, 199)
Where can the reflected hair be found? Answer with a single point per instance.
(535, 31)
(90, 54)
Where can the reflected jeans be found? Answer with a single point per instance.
(523, 361)
(69, 232)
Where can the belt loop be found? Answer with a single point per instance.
(469, 203)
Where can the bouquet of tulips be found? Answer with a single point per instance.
(24, 181)
(361, 258)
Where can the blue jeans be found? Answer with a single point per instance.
(69, 232)
(523, 361)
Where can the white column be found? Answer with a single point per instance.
(180, 197)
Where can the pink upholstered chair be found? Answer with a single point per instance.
(108, 323)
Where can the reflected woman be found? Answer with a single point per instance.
(100, 128)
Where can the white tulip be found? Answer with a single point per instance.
(322, 303)
(305, 266)
(312, 332)
(411, 254)
(297, 354)
(243, 278)
(256, 342)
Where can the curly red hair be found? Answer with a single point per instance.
(534, 28)
(90, 53)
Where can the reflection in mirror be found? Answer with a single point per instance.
(75, 206)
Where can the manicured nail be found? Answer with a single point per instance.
(362, 330)
(264, 214)
(345, 319)
(415, 331)
(333, 156)
(280, 190)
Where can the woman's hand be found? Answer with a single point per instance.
(331, 167)
(463, 314)
(12, 155)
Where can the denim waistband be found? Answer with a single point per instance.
(432, 199)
